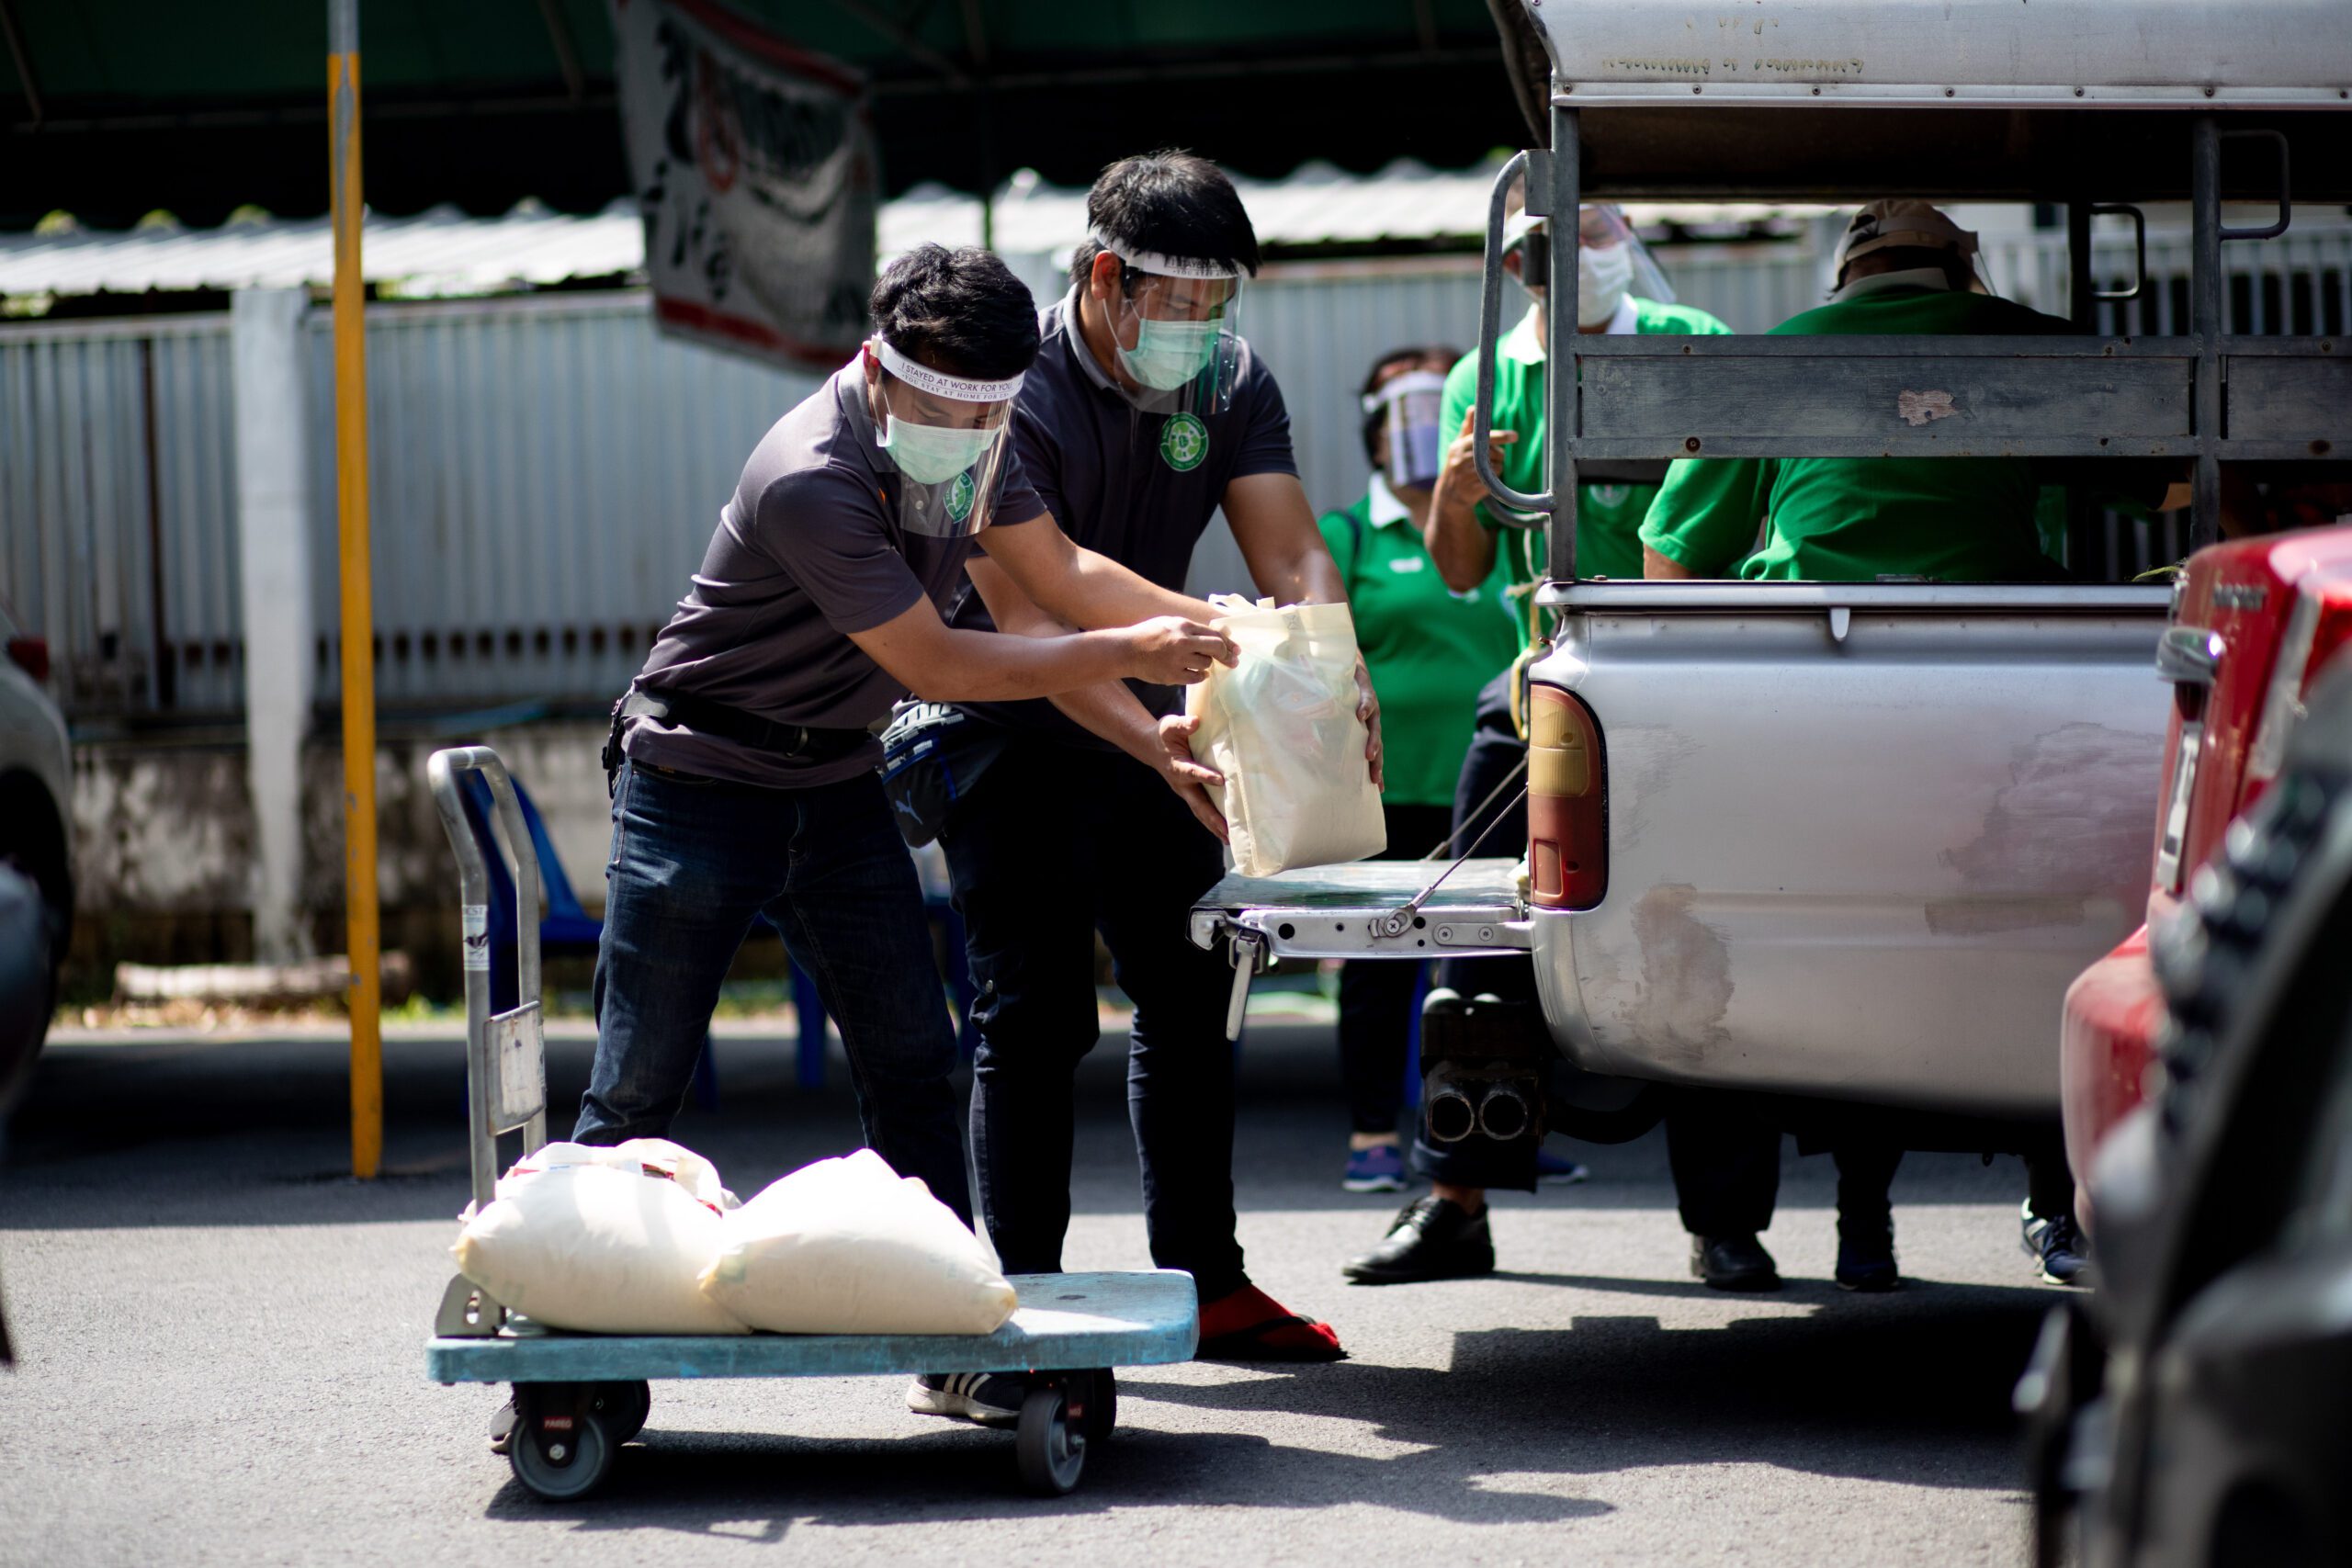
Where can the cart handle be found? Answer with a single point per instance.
(441, 771)
(1490, 309)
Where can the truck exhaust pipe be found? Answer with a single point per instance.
(1451, 1116)
(1502, 1114)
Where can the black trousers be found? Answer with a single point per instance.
(1055, 842)
(1726, 1165)
(1376, 994)
(2049, 1180)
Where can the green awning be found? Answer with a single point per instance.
(118, 107)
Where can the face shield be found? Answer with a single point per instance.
(1612, 262)
(1173, 321)
(1412, 443)
(946, 436)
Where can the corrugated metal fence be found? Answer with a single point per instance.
(547, 471)
(118, 507)
(545, 474)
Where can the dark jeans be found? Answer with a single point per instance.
(1376, 994)
(1053, 843)
(695, 862)
(1726, 1165)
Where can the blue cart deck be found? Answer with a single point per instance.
(1066, 1322)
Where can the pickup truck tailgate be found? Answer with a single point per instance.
(1358, 911)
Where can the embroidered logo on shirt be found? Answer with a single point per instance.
(1610, 496)
(959, 496)
(1184, 442)
(1406, 563)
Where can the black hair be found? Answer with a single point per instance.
(1373, 420)
(961, 312)
(1171, 201)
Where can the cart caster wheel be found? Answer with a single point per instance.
(1097, 1404)
(561, 1466)
(1051, 1456)
(623, 1406)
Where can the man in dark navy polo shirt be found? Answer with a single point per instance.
(1146, 411)
(745, 760)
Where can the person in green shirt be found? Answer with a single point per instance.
(1468, 530)
(1430, 649)
(1720, 1160)
(1903, 268)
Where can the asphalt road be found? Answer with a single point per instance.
(222, 1335)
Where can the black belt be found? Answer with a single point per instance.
(794, 742)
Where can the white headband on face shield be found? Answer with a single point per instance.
(1397, 387)
(924, 378)
(1167, 266)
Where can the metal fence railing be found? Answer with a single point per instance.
(118, 509)
(547, 471)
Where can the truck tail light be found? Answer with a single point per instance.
(30, 654)
(1568, 802)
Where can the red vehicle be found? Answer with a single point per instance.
(2253, 622)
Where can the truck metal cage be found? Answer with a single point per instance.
(2076, 102)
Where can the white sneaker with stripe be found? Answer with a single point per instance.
(986, 1397)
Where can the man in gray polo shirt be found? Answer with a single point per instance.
(1144, 414)
(745, 785)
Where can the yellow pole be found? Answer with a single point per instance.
(358, 606)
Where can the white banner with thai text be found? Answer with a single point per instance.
(755, 164)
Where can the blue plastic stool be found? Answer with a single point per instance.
(566, 928)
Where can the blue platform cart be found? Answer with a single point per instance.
(580, 1398)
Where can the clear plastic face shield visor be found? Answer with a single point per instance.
(1412, 445)
(1173, 321)
(946, 436)
(1612, 261)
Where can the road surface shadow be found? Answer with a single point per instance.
(756, 1488)
(1910, 1387)
(1910, 1390)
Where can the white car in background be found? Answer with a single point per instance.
(36, 784)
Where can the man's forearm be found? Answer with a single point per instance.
(1306, 576)
(991, 666)
(1457, 541)
(1109, 710)
(1656, 566)
(1097, 591)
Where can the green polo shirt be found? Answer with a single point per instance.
(1855, 520)
(1429, 648)
(1607, 514)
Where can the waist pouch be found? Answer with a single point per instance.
(794, 742)
(931, 756)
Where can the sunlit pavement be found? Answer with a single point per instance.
(222, 1357)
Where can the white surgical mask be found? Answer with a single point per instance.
(1167, 355)
(932, 454)
(1603, 274)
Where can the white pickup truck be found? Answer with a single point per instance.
(1848, 843)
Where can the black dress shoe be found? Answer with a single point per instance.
(1733, 1263)
(1434, 1239)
